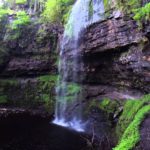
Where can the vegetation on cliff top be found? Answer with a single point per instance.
(135, 8)
(50, 11)
(22, 19)
(60, 13)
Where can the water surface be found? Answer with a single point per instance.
(33, 133)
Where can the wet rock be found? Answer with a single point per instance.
(145, 135)
(8, 111)
(110, 34)
(114, 52)
(27, 63)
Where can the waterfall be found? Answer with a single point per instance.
(84, 13)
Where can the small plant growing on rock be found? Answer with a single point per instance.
(22, 19)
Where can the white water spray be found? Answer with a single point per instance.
(84, 13)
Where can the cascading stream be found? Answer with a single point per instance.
(84, 13)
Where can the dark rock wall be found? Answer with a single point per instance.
(116, 58)
(28, 66)
(116, 54)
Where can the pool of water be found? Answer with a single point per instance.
(23, 132)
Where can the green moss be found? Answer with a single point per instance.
(129, 122)
(48, 78)
(106, 105)
(110, 106)
(11, 82)
(29, 94)
(134, 7)
(71, 89)
(131, 135)
(131, 107)
(3, 99)
(46, 90)
(127, 6)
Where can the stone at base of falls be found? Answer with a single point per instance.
(74, 124)
(15, 111)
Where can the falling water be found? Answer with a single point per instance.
(84, 13)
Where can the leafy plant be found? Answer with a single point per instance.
(56, 11)
(22, 19)
(4, 12)
(142, 13)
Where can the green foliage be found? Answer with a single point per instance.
(131, 107)
(127, 6)
(142, 13)
(71, 89)
(52, 11)
(21, 2)
(48, 78)
(46, 88)
(4, 12)
(135, 7)
(30, 93)
(22, 19)
(129, 122)
(107, 105)
(110, 106)
(56, 11)
(10, 82)
(3, 99)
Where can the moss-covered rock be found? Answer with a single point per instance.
(29, 93)
(128, 126)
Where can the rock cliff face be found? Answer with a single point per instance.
(116, 58)
(28, 67)
(116, 54)
(115, 64)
